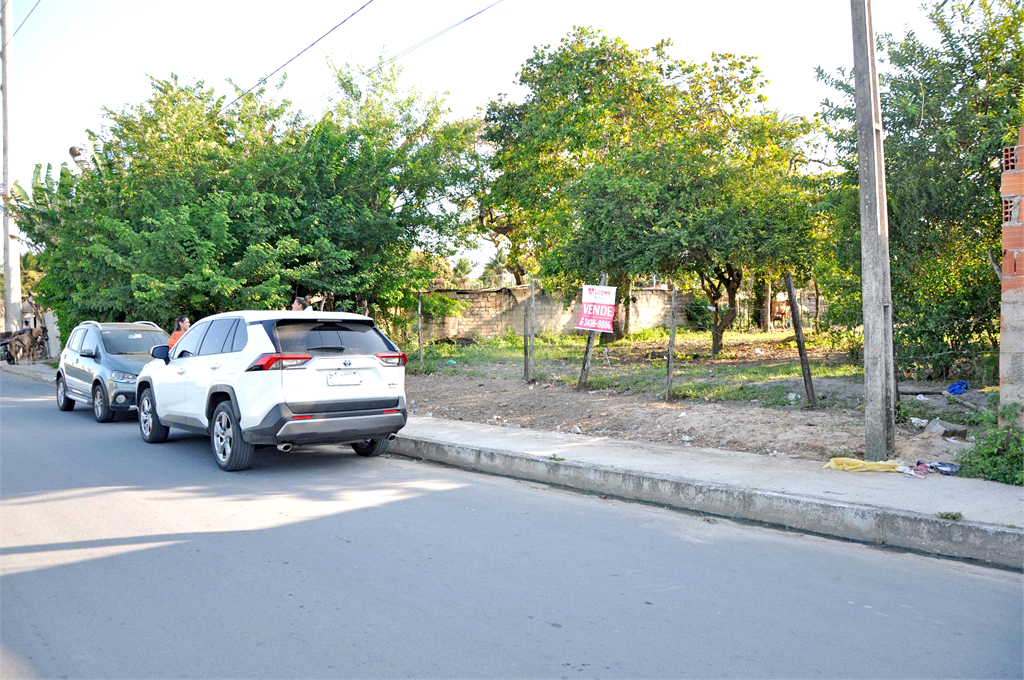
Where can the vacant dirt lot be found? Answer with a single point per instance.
(739, 426)
(749, 398)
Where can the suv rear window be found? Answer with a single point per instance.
(132, 342)
(322, 338)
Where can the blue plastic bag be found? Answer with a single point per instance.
(959, 387)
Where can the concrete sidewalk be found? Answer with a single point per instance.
(880, 508)
(38, 372)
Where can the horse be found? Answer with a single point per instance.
(30, 343)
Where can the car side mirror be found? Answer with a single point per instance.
(161, 352)
(87, 352)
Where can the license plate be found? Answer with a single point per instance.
(339, 378)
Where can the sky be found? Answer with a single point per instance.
(72, 58)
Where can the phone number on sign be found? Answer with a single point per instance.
(596, 324)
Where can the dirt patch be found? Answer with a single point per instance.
(749, 398)
(789, 430)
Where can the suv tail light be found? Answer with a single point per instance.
(392, 358)
(277, 362)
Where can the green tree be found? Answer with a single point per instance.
(382, 175)
(461, 271)
(706, 192)
(947, 111)
(191, 207)
(496, 268)
(585, 97)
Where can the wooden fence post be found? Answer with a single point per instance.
(671, 345)
(528, 338)
(419, 324)
(794, 308)
(533, 323)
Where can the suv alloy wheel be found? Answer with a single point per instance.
(230, 451)
(153, 431)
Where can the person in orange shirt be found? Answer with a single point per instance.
(181, 325)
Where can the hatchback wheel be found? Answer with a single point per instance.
(64, 402)
(153, 431)
(100, 408)
(231, 452)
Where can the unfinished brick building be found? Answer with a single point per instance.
(1011, 346)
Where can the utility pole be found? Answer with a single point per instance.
(879, 371)
(12, 263)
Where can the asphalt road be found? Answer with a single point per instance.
(122, 559)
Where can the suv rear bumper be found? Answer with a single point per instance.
(280, 426)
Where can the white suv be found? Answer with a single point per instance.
(276, 378)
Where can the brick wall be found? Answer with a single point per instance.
(493, 311)
(1011, 338)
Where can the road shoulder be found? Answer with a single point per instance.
(877, 508)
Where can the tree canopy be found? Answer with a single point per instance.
(629, 163)
(947, 111)
(190, 206)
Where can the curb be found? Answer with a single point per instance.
(28, 373)
(995, 545)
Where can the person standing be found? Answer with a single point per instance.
(181, 324)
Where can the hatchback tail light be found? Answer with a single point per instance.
(392, 358)
(277, 362)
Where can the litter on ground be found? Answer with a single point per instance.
(959, 387)
(855, 465)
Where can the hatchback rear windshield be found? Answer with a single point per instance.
(132, 342)
(322, 338)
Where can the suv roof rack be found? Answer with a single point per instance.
(147, 323)
(90, 323)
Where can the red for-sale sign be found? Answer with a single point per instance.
(598, 310)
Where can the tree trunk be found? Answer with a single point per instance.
(766, 314)
(730, 278)
(625, 315)
(716, 336)
(623, 324)
(817, 306)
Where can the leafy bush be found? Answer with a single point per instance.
(699, 316)
(998, 454)
(510, 337)
(846, 339)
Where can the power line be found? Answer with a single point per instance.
(403, 53)
(267, 77)
(22, 21)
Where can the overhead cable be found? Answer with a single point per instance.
(267, 77)
(22, 21)
(406, 51)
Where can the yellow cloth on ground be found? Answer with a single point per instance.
(990, 388)
(854, 465)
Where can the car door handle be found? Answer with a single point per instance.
(214, 367)
(181, 371)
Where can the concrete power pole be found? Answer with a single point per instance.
(879, 383)
(12, 263)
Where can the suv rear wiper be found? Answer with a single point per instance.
(327, 348)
